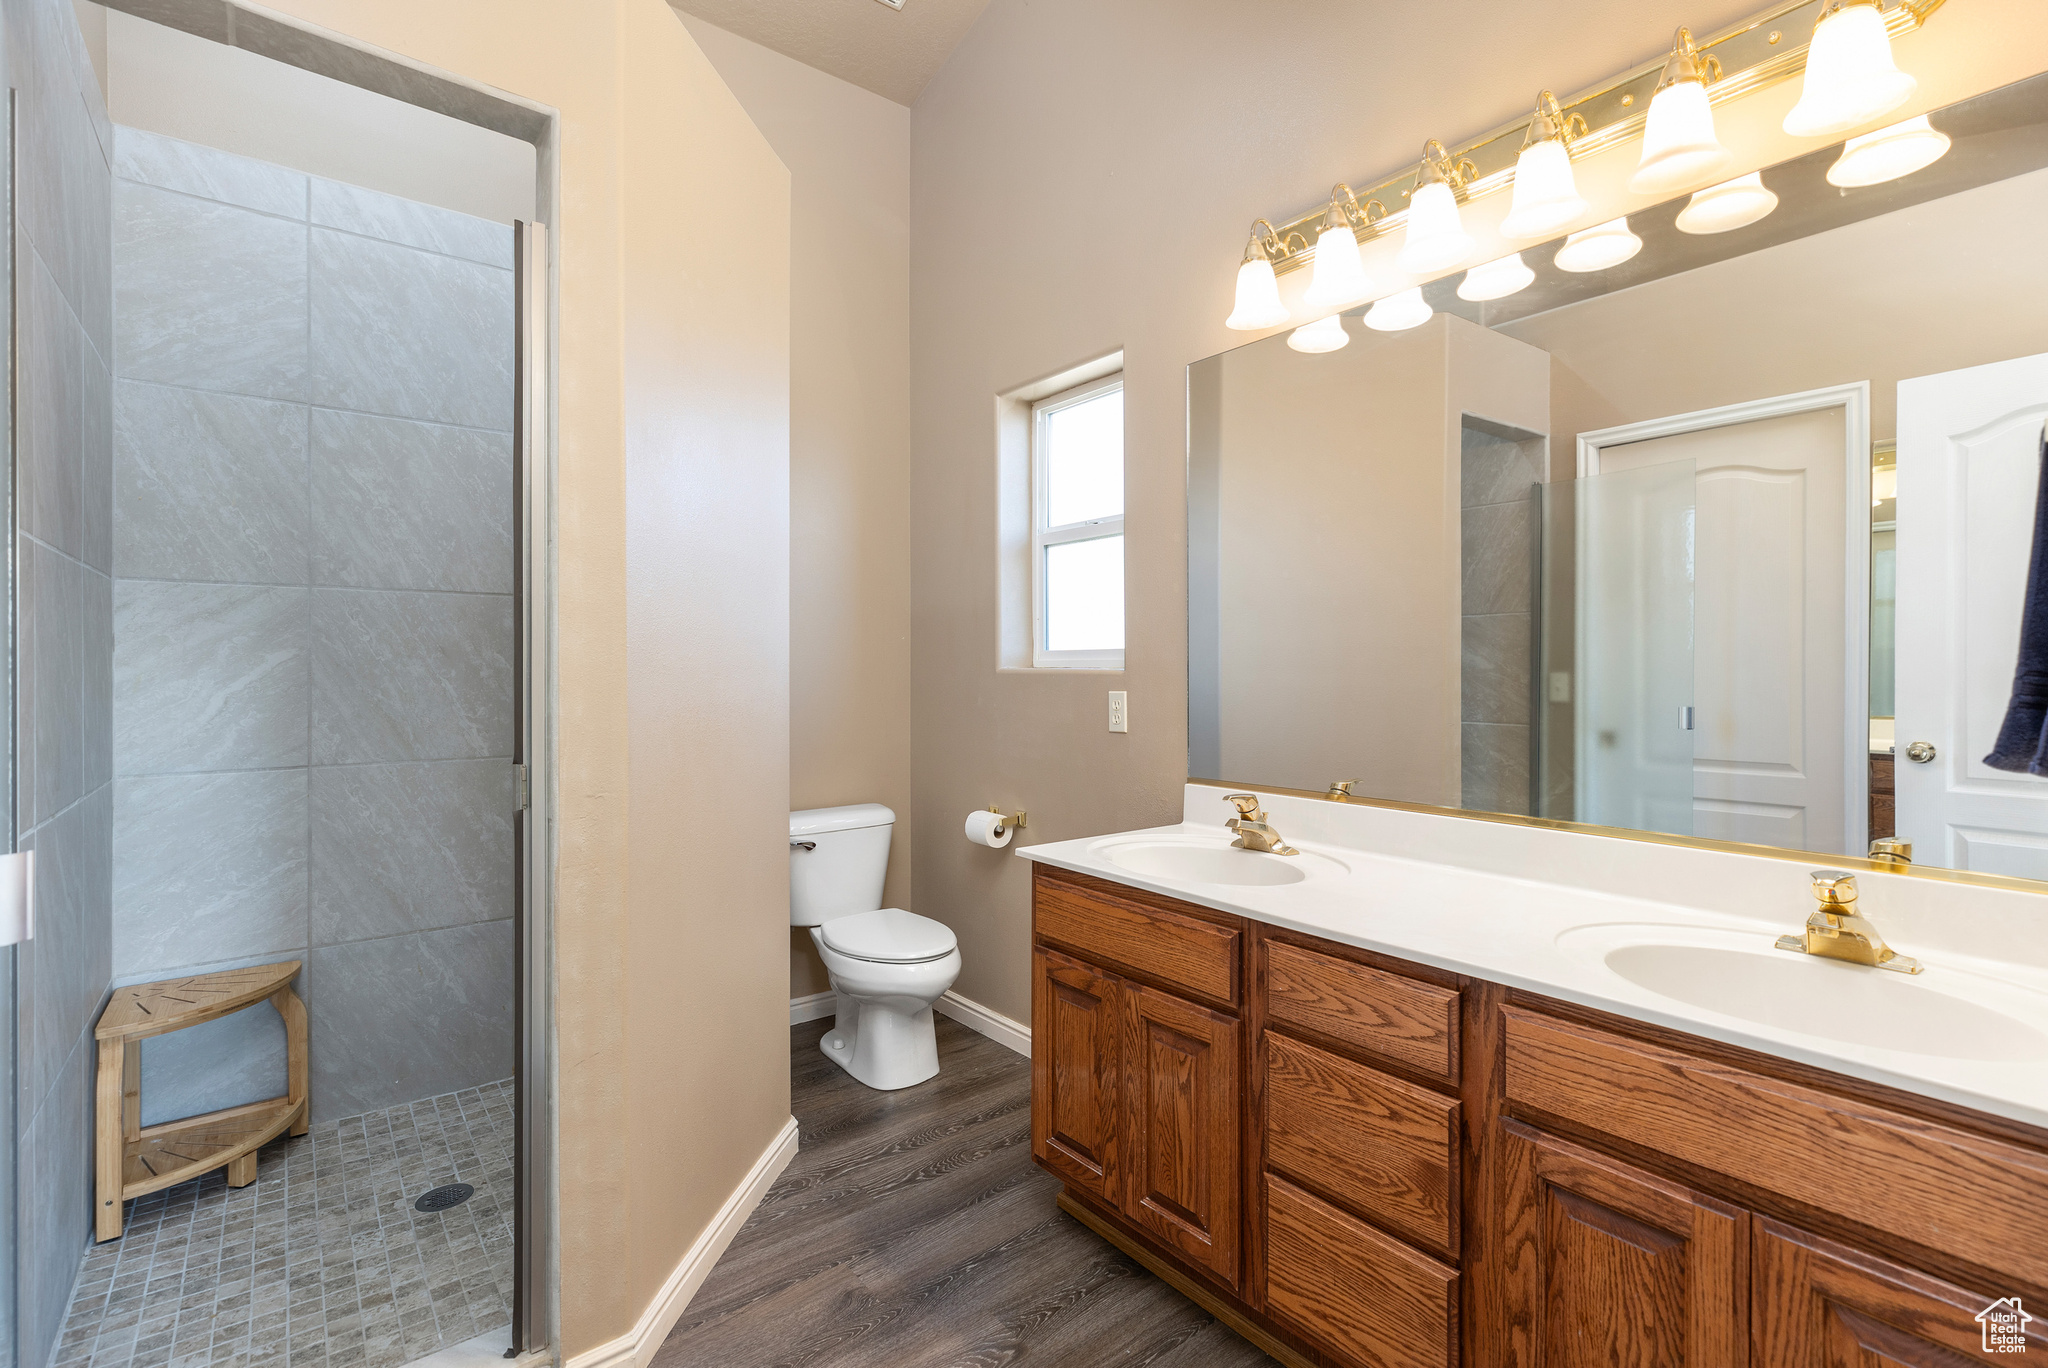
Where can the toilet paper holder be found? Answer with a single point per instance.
(1009, 819)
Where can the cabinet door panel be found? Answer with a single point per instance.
(1077, 1072)
(1606, 1266)
(1182, 1132)
(1818, 1304)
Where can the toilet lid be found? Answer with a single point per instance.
(890, 936)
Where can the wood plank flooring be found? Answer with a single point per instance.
(912, 1230)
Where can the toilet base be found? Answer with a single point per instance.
(881, 1047)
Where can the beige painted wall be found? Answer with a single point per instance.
(672, 619)
(1070, 197)
(182, 86)
(848, 154)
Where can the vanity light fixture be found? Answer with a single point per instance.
(1546, 194)
(1436, 239)
(1888, 154)
(1884, 484)
(1850, 76)
(1339, 278)
(1323, 335)
(1596, 249)
(1496, 279)
(1399, 312)
(1679, 144)
(1727, 206)
(1258, 289)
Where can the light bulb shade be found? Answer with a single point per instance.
(1888, 154)
(1596, 249)
(1884, 484)
(1850, 78)
(1323, 335)
(1496, 279)
(1729, 205)
(1679, 146)
(1399, 312)
(1436, 238)
(1258, 298)
(1546, 194)
(1339, 278)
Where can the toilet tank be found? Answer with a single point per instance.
(842, 873)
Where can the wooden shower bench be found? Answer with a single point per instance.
(132, 1159)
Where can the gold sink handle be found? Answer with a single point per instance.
(1836, 930)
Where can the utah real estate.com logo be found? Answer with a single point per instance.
(2005, 1326)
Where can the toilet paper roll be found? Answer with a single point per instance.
(986, 828)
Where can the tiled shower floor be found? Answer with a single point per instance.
(322, 1260)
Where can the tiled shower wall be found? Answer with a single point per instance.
(63, 668)
(312, 623)
(1499, 469)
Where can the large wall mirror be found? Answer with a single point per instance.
(1728, 540)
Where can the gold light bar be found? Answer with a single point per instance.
(1749, 58)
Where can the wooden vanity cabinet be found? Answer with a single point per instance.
(1357, 1162)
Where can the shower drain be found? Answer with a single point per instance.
(443, 1197)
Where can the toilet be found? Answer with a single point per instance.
(888, 966)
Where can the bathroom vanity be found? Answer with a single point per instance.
(1357, 1157)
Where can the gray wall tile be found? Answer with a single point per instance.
(194, 169)
(96, 461)
(59, 667)
(56, 1200)
(409, 223)
(211, 486)
(51, 406)
(410, 1016)
(399, 504)
(208, 295)
(96, 678)
(1495, 764)
(1498, 544)
(406, 676)
(410, 334)
(1494, 469)
(28, 593)
(208, 676)
(208, 868)
(410, 847)
(1495, 668)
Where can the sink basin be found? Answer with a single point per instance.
(1187, 862)
(1945, 1012)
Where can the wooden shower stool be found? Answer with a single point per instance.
(132, 1159)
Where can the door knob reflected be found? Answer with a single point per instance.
(1920, 752)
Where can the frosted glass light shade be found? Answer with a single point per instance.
(1339, 277)
(1729, 205)
(1258, 298)
(1546, 194)
(1399, 312)
(1680, 148)
(1888, 154)
(1436, 238)
(1850, 78)
(1884, 484)
(1596, 249)
(1323, 335)
(1496, 279)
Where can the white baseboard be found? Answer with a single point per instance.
(635, 1348)
(987, 1020)
(813, 1007)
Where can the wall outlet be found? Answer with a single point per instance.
(1119, 711)
(1560, 687)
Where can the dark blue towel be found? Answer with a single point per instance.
(2023, 740)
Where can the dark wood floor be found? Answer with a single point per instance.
(912, 1230)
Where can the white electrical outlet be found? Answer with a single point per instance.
(1119, 711)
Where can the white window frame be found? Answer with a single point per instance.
(1043, 536)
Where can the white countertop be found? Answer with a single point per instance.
(1550, 930)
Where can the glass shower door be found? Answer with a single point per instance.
(1633, 638)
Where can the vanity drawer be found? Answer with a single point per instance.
(1971, 1196)
(1401, 1019)
(1365, 1297)
(1141, 936)
(1371, 1142)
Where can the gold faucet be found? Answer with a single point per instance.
(1250, 826)
(1341, 790)
(1837, 930)
(1892, 852)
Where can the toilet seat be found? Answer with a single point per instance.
(889, 936)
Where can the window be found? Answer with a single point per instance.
(1077, 527)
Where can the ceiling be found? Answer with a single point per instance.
(891, 52)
